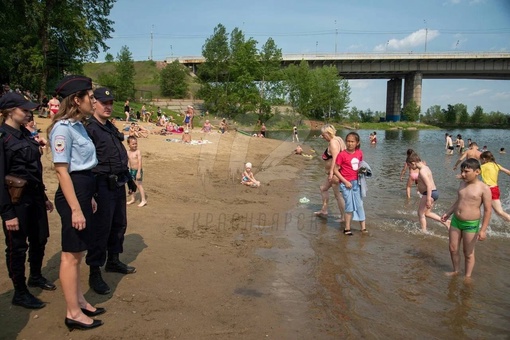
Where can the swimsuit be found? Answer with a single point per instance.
(133, 173)
(326, 156)
(467, 226)
(434, 194)
(496, 195)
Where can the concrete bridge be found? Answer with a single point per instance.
(411, 68)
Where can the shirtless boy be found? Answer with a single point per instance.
(135, 168)
(472, 194)
(449, 144)
(427, 188)
(472, 152)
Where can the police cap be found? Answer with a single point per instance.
(103, 94)
(12, 99)
(72, 84)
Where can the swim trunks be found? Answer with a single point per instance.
(451, 147)
(434, 194)
(133, 173)
(467, 226)
(495, 193)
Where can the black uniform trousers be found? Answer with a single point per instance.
(33, 226)
(109, 222)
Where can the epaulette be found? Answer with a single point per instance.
(65, 122)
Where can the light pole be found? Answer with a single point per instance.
(316, 45)
(171, 52)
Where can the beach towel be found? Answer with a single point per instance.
(364, 172)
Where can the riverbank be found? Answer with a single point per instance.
(193, 245)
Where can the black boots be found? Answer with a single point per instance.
(22, 297)
(113, 264)
(41, 282)
(96, 281)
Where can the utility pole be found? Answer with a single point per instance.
(426, 34)
(171, 51)
(152, 39)
(336, 36)
(316, 46)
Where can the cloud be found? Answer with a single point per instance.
(501, 96)
(462, 89)
(355, 47)
(360, 84)
(479, 92)
(414, 39)
(476, 2)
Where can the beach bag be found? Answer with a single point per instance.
(15, 185)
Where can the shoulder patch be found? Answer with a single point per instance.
(60, 144)
(64, 122)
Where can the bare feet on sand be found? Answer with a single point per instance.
(451, 273)
(130, 202)
(321, 214)
(142, 203)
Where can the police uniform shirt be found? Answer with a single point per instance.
(19, 156)
(71, 145)
(111, 153)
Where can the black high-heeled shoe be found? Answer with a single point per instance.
(98, 311)
(73, 324)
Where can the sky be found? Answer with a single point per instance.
(164, 28)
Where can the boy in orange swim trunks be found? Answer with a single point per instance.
(472, 194)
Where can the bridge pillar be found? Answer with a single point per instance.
(412, 88)
(393, 99)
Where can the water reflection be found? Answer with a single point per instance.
(457, 318)
(391, 134)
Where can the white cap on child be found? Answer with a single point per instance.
(248, 165)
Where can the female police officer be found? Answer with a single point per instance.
(74, 157)
(26, 218)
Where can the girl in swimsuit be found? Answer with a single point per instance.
(413, 175)
(336, 144)
(490, 172)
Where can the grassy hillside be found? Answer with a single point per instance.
(146, 74)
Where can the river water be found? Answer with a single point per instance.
(391, 283)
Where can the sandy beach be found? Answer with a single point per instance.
(193, 246)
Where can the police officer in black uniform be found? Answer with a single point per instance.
(109, 221)
(20, 156)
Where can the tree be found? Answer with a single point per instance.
(125, 75)
(478, 116)
(41, 39)
(270, 84)
(411, 111)
(317, 93)
(433, 115)
(450, 116)
(173, 80)
(461, 113)
(109, 58)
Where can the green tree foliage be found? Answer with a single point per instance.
(478, 116)
(270, 75)
(124, 75)
(236, 78)
(42, 39)
(109, 58)
(450, 116)
(411, 112)
(318, 93)
(433, 115)
(173, 80)
(462, 113)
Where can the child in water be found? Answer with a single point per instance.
(413, 175)
(346, 169)
(490, 172)
(248, 178)
(465, 223)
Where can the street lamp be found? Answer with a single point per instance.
(336, 36)
(316, 45)
(426, 34)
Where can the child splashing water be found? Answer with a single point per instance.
(346, 169)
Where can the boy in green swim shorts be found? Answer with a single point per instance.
(465, 224)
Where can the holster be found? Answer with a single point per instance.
(15, 185)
